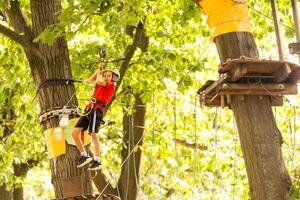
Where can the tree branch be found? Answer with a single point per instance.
(189, 145)
(18, 20)
(100, 180)
(130, 52)
(197, 3)
(21, 26)
(12, 35)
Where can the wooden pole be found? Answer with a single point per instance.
(277, 30)
(296, 21)
(259, 136)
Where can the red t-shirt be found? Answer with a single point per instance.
(103, 94)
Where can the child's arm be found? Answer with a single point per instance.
(93, 78)
(96, 78)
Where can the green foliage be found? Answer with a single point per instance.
(179, 59)
(20, 136)
(4, 4)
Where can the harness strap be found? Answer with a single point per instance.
(100, 103)
(54, 82)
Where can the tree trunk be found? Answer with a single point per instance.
(54, 63)
(133, 133)
(260, 138)
(4, 194)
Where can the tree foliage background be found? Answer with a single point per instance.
(189, 151)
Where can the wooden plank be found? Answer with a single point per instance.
(222, 101)
(294, 48)
(238, 72)
(253, 86)
(72, 187)
(259, 66)
(264, 68)
(295, 76)
(247, 62)
(282, 73)
(275, 101)
(254, 89)
(222, 78)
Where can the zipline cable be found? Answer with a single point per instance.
(195, 149)
(235, 157)
(215, 126)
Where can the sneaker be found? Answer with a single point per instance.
(95, 166)
(83, 160)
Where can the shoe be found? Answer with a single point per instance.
(95, 166)
(83, 160)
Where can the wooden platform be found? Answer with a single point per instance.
(251, 77)
(73, 190)
(94, 197)
(294, 48)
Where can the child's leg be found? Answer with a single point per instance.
(96, 144)
(76, 134)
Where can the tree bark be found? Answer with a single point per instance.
(49, 62)
(55, 64)
(5, 194)
(133, 133)
(260, 138)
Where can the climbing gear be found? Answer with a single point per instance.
(57, 112)
(56, 81)
(84, 160)
(95, 165)
(102, 53)
(86, 111)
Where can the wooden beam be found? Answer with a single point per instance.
(238, 72)
(275, 101)
(223, 77)
(282, 73)
(296, 21)
(277, 30)
(255, 89)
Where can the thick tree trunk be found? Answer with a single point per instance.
(54, 63)
(20, 170)
(259, 135)
(133, 132)
(4, 194)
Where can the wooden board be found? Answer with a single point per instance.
(275, 101)
(294, 48)
(282, 71)
(257, 89)
(72, 187)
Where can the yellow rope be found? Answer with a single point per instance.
(93, 101)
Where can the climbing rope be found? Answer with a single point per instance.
(215, 127)
(294, 138)
(152, 141)
(133, 140)
(195, 149)
(175, 143)
(235, 157)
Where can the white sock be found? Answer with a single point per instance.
(97, 158)
(83, 153)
